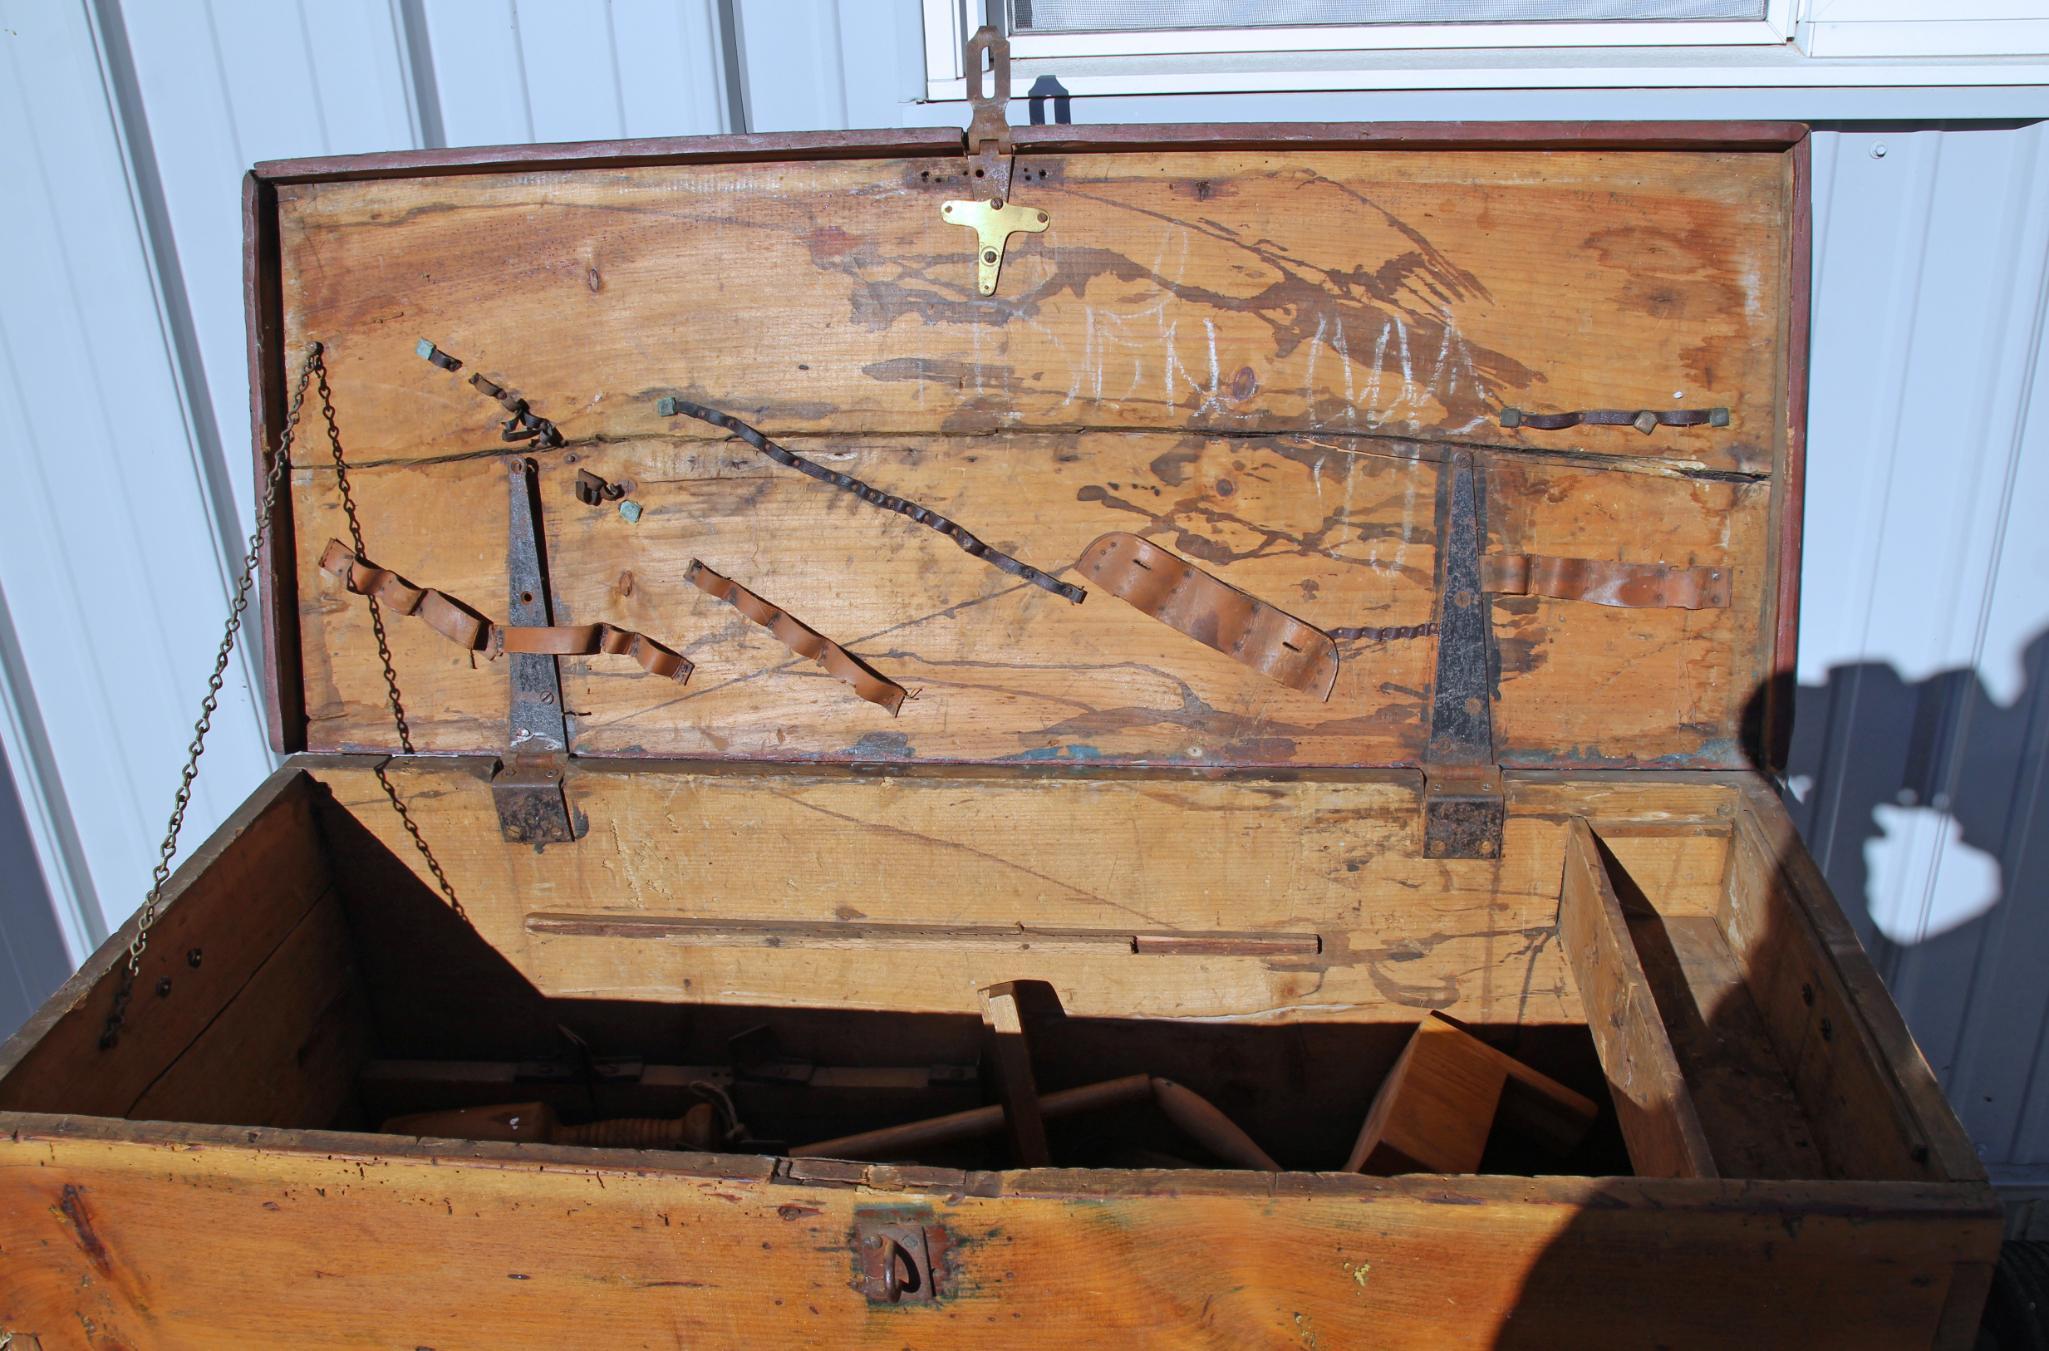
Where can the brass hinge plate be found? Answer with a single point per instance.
(993, 222)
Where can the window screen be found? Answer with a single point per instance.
(1114, 16)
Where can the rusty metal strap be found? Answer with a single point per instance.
(1213, 612)
(800, 638)
(523, 424)
(671, 407)
(1645, 420)
(1600, 581)
(467, 629)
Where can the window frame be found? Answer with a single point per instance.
(1815, 44)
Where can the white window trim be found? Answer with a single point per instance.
(1774, 27)
(1815, 44)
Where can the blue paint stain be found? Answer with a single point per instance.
(882, 746)
(1045, 753)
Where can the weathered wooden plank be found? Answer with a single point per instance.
(1674, 870)
(226, 909)
(319, 1239)
(1003, 670)
(1753, 1119)
(1652, 1102)
(1375, 291)
(1162, 852)
(1876, 1108)
(285, 1050)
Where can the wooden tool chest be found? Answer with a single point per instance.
(1397, 691)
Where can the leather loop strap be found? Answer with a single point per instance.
(1600, 581)
(800, 638)
(467, 629)
(1213, 612)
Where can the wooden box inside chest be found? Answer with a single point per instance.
(1465, 717)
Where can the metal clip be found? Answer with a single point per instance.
(894, 1258)
(993, 222)
(988, 141)
(991, 215)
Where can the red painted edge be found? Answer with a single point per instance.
(945, 140)
(284, 690)
(1792, 485)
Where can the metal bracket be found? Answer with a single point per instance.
(993, 216)
(988, 139)
(1463, 813)
(527, 789)
(895, 1259)
(993, 222)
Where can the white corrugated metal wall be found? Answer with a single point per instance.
(124, 128)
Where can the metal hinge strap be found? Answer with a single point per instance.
(1463, 812)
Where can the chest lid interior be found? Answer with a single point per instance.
(1289, 405)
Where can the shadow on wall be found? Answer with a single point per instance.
(32, 957)
(1917, 797)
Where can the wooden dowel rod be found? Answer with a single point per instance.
(976, 1122)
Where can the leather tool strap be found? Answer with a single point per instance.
(800, 638)
(467, 629)
(1599, 581)
(1213, 612)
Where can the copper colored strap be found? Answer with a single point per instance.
(800, 638)
(1213, 612)
(466, 628)
(445, 615)
(1600, 581)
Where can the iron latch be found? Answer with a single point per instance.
(1463, 811)
(899, 1260)
(527, 789)
(990, 213)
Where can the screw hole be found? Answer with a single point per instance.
(526, 598)
(978, 173)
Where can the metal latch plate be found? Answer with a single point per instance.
(994, 223)
(532, 808)
(898, 1261)
(1463, 811)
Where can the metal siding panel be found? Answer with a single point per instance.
(790, 61)
(1919, 735)
(671, 67)
(571, 71)
(105, 529)
(479, 71)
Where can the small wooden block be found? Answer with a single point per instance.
(1438, 1105)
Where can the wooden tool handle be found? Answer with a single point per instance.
(1201, 1122)
(952, 1129)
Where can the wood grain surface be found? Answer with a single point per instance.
(1215, 350)
(1339, 534)
(324, 1239)
(976, 853)
(235, 900)
(1384, 292)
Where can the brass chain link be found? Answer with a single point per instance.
(265, 507)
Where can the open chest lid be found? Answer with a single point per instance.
(1381, 445)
